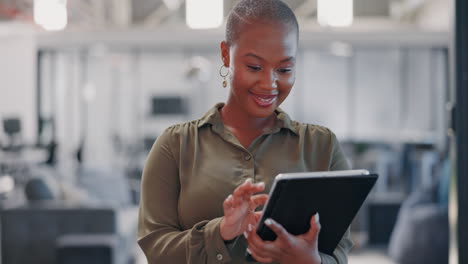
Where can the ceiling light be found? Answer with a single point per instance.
(51, 14)
(204, 14)
(335, 13)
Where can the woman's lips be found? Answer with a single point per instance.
(264, 100)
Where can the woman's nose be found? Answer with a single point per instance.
(269, 80)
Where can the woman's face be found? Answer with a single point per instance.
(262, 63)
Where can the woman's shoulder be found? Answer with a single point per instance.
(315, 134)
(190, 127)
(181, 129)
(312, 129)
(170, 138)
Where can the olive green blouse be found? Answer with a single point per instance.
(194, 166)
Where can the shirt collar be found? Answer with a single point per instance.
(213, 117)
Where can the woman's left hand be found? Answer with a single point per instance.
(287, 248)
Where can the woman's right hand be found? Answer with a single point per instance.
(239, 209)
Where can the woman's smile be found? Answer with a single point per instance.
(263, 100)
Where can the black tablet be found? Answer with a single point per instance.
(336, 195)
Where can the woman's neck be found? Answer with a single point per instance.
(234, 116)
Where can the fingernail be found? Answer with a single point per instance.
(248, 180)
(317, 216)
(250, 227)
(248, 250)
(245, 234)
(229, 196)
(268, 221)
(260, 184)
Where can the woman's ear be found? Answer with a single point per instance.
(225, 53)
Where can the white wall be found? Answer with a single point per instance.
(18, 77)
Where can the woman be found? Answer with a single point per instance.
(235, 150)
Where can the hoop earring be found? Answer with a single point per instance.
(224, 75)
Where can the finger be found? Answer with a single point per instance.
(256, 255)
(263, 248)
(256, 188)
(246, 190)
(249, 188)
(254, 219)
(282, 235)
(227, 204)
(240, 191)
(314, 230)
(257, 200)
(257, 216)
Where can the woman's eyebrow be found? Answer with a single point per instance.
(289, 59)
(260, 58)
(253, 55)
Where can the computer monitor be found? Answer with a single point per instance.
(11, 126)
(163, 105)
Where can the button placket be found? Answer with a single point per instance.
(249, 165)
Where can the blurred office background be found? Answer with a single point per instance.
(86, 86)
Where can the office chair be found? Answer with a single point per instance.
(12, 128)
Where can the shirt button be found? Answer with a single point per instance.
(247, 157)
(219, 257)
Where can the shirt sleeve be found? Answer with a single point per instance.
(160, 235)
(338, 162)
(340, 255)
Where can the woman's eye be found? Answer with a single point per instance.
(284, 70)
(254, 68)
